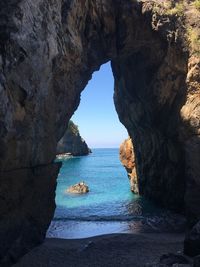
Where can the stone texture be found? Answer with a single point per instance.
(190, 113)
(155, 119)
(80, 188)
(127, 158)
(171, 259)
(72, 142)
(27, 204)
(151, 118)
(165, 265)
(196, 261)
(192, 241)
(48, 52)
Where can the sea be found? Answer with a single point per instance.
(110, 206)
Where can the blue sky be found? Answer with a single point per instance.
(96, 116)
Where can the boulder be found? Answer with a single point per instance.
(79, 188)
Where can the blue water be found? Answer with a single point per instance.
(110, 206)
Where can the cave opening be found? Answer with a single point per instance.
(101, 211)
(110, 206)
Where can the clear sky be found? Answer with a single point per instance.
(96, 116)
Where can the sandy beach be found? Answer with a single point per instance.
(117, 250)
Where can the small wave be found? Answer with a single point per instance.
(100, 219)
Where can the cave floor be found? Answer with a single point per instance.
(114, 250)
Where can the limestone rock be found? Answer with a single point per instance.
(127, 158)
(79, 188)
(72, 143)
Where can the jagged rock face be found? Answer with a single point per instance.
(72, 142)
(154, 87)
(127, 158)
(190, 114)
(154, 79)
(48, 52)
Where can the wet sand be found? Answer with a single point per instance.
(116, 250)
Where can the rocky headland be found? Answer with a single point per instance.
(127, 158)
(48, 52)
(72, 143)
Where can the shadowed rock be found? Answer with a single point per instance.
(192, 241)
(48, 52)
(72, 143)
(196, 261)
(27, 198)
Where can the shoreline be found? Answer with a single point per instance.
(117, 250)
(75, 229)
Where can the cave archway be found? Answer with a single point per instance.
(150, 75)
(47, 59)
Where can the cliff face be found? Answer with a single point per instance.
(127, 158)
(48, 52)
(72, 142)
(154, 85)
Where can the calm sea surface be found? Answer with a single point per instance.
(110, 206)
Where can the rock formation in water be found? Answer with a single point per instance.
(72, 142)
(127, 158)
(48, 52)
(80, 188)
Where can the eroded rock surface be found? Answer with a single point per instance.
(27, 204)
(172, 260)
(80, 188)
(48, 52)
(72, 143)
(127, 158)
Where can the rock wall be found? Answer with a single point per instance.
(72, 142)
(27, 204)
(127, 157)
(48, 52)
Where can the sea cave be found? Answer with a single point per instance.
(48, 52)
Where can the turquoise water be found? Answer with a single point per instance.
(110, 206)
